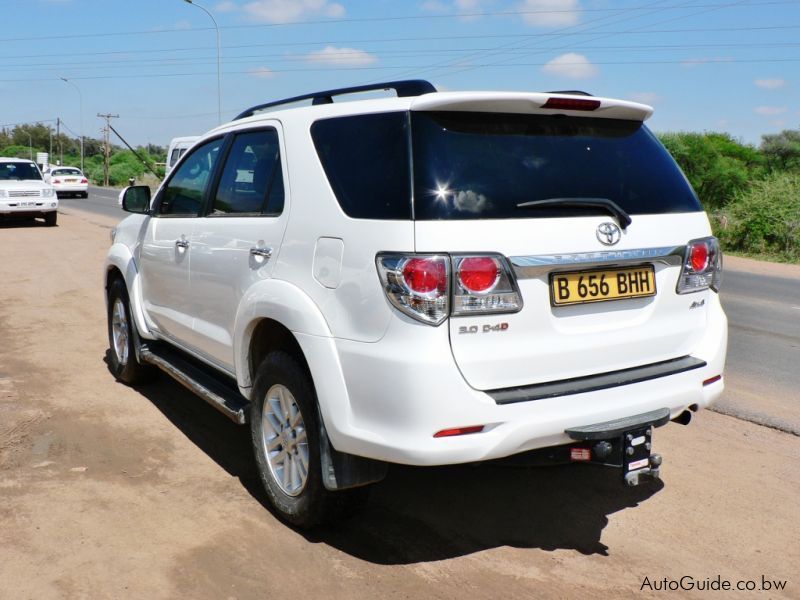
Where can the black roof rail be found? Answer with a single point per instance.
(409, 87)
(571, 92)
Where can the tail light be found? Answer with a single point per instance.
(56, 181)
(417, 284)
(84, 180)
(702, 266)
(484, 285)
(431, 287)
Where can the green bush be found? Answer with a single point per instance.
(765, 219)
(119, 173)
(718, 167)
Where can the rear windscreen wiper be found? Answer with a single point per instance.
(604, 203)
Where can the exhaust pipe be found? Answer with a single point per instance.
(684, 418)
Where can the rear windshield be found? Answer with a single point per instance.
(482, 165)
(19, 171)
(66, 172)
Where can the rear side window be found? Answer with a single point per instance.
(252, 180)
(366, 160)
(482, 165)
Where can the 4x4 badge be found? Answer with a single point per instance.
(608, 233)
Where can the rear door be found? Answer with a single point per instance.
(474, 175)
(236, 243)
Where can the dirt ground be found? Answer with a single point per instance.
(112, 492)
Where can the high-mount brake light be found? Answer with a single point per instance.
(702, 266)
(571, 104)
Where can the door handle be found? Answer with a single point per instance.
(261, 252)
(182, 243)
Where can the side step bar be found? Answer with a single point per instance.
(224, 398)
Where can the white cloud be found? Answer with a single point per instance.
(770, 83)
(644, 97)
(769, 111)
(287, 11)
(571, 65)
(226, 6)
(262, 73)
(331, 55)
(550, 13)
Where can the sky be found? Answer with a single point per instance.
(704, 65)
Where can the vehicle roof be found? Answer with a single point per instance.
(184, 139)
(12, 159)
(499, 102)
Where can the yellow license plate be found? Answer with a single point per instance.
(581, 287)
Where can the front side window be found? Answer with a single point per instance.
(19, 171)
(252, 179)
(183, 194)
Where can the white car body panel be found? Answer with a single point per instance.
(385, 382)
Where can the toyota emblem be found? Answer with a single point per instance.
(608, 233)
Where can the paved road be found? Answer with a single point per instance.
(102, 201)
(763, 368)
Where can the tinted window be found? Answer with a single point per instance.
(481, 165)
(66, 172)
(252, 180)
(366, 160)
(19, 171)
(175, 156)
(184, 192)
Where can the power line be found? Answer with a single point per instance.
(376, 19)
(324, 69)
(204, 60)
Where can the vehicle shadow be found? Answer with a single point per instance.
(425, 514)
(18, 223)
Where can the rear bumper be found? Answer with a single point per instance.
(406, 387)
(71, 188)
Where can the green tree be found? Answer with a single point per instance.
(717, 165)
(782, 150)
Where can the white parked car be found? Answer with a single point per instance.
(68, 180)
(427, 279)
(177, 148)
(24, 193)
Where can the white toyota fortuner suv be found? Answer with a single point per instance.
(23, 192)
(426, 279)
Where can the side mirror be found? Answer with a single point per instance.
(135, 199)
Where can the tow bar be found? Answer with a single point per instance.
(625, 443)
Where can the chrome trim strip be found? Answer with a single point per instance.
(527, 267)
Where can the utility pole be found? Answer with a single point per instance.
(58, 141)
(106, 133)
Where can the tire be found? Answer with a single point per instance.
(51, 218)
(122, 361)
(284, 423)
(84, 194)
